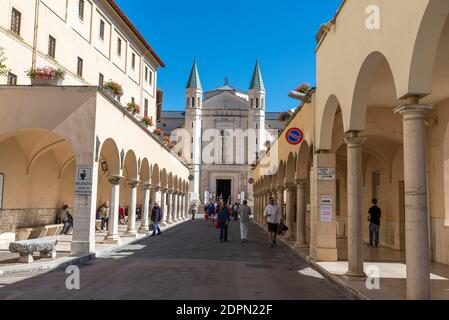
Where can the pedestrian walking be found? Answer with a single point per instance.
(211, 213)
(156, 218)
(193, 211)
(235, 211)
(244, 213)
(273, 215)
(374, 214)
(223, 219)
(104, 216)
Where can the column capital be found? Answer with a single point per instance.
(279, 188)
(301, 183)
(133, 183)
(413, 111)
(289, 186)
(115, 180)
(353, 140)
(146, 186)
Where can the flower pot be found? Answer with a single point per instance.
(46, 82)
(111, 93)
(298, 96)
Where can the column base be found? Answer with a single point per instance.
(163, 224)
(112, 240)
(175, 220)
(81, 248)
(323, 254)
(355, 276)
(130, 234)
(144, 230)
(301, 245)
(169, 221)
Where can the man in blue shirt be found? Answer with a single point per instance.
(211, 213)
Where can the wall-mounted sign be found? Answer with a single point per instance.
(326, 208)
(326, 174)
(294, 136)
(83, 180)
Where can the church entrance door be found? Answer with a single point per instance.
(223, 190)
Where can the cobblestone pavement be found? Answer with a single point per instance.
(185, 262)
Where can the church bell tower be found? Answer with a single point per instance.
(256, 103)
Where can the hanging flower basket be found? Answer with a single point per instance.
(113, 88)
(301, 92)
(46, 76)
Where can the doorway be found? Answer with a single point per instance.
(224, 190)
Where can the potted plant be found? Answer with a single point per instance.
(46, 76)
(147, 121)
(301, 92)
(166, 141)
(158, 132)
(3, 69)
(114, 89)
(133, 108)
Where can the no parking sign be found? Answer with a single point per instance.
(294, 136)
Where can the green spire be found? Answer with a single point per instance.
(194, 79)
(257, 81)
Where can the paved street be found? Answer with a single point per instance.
(185, 262)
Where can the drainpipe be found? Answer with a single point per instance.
(36, 26)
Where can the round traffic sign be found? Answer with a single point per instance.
(294, 136)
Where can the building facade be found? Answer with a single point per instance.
(375, 127)
(76, 143)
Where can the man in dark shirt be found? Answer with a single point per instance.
(374, 225)
(156, 217)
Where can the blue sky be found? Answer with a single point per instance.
(226, 38)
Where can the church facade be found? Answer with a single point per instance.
(227, 133)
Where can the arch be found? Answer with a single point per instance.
(163, 180)
(290, 169)
(109, 153)
(42, 151)
(145, 170)
(170, 181)
(65, 164)
(280, 175)
(324, 141)
(130, 165)
(303, 161)
(175, 183)
(426, 48)
(359, 104)
(156, 176)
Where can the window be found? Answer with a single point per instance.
(257, 102)
(193, 102)
(151, 78)
(100, 79)
(133, 100)
(81, 9)
(119, 47)
(79, 69)
(192, 139)
(146, 74)
(101, 29)
(16, 18)
(133, 61)
(12, 79)
(145, 112)
(257, 125)
(191, 155)
(51, 47)
(252, 102)
(192, 124)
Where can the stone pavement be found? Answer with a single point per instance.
(185, 262)
(392, 270)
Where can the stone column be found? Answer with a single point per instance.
(416, 215)
(290, 210)
(180, 213)
(169, 207)
(280, 200)
(301, 213)
(132, 231)
(186, 204)
(175, 206)
(355, 195)
(84, 212)
(112, 237)
(164, 207)
(146, 208)
(323, 231)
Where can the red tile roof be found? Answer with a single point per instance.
(135, 31)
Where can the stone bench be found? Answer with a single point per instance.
(26, 248)
(38, 231)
